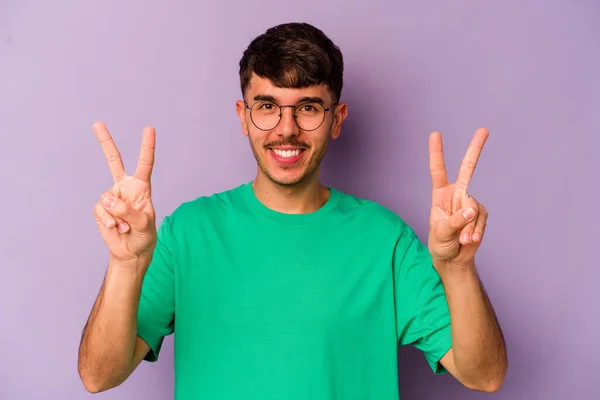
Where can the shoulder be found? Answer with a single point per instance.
(206, 206)
(374, 213)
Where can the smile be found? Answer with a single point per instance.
(287, 153)
(287, 156)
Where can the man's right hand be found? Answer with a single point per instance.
(124, 214)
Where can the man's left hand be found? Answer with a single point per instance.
(457, 221)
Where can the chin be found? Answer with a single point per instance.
(287, 179)
(286, 171)
(286, 175)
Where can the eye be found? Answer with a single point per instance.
(309, 109)
(266, 106)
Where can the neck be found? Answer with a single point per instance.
(302, 198)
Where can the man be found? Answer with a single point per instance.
(282, 288)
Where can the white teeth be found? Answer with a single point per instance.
(287, 153)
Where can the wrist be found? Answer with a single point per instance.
(449, 270)
(136, 265)
(452, 265)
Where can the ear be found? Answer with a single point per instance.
(340, 114)
(240, 109)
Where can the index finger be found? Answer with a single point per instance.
(115, 163)
(146, 160)
(469, 162)
(437, 166)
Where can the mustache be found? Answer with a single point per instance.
(288, 142)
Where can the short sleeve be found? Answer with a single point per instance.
(156, 310)
(422, 313)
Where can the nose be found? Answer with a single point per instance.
(287, 125)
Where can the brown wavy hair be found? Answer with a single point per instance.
(294, 55)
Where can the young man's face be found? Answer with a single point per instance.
(286, 153)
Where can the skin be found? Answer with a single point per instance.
(110, 350)
(290, 189)
(456, 228)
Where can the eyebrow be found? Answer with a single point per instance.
(268, 97)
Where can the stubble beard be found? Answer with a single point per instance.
(311, 169)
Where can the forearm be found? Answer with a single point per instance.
(477, 340)
(108, 341)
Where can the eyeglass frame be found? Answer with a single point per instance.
(281, 107)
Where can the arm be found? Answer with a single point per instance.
(478, 355)
(456, 228)
(110, 350)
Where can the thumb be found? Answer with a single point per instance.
(457, 221)
(118, 208)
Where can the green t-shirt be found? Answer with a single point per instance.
(265, 305)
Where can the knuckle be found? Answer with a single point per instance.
(436, 167)
(118, 207)
(113, 157)
(461, 185)
(145, 163)
(99, 209)
(456, 223)
(126, 210)
(469, 164)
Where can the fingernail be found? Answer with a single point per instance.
(110, 224)
(476, 237)
(465, 237)
(109, 202)
(469, 213)
(122, 228)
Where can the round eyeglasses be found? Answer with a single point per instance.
(309, 116)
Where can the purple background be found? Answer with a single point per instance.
(526, 70)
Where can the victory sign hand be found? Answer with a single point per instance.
(457, 221)
(125, 214)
